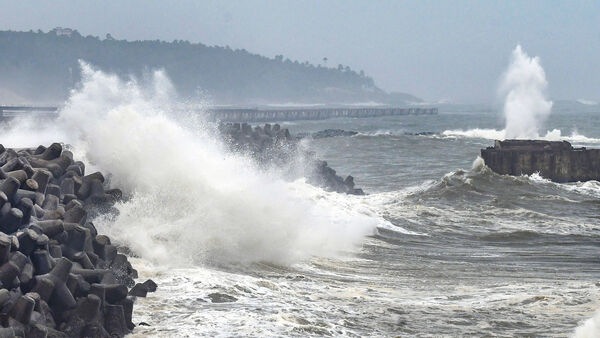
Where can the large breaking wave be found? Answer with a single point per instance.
(190, 200)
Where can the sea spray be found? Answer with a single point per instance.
(574, 138)
(190, 200)
(526, 108)
(590, 328)
(525, 105)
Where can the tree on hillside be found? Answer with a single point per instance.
(43, 66)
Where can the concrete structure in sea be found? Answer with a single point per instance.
(554, 160)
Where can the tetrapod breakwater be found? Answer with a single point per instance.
(274, 145)
(59, 276)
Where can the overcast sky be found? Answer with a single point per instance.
(437, 50)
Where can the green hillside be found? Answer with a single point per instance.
(38, 66)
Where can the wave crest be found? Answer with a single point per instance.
(190, 200)
(493, 134)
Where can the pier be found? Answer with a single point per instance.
(252, 114)
(267, 115)
(12, 111)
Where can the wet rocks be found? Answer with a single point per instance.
(218, 297)
(273, 145)
(268, 144)
(59, 277)
(325, 176)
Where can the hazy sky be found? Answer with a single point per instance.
(437, 50)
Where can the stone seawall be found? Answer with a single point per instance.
(554, 160)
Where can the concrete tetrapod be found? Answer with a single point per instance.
(58, 276)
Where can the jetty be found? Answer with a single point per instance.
(557, 161)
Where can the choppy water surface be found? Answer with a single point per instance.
(441, 246)
(459, 250)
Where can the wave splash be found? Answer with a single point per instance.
(590, 328)
(525, 105)
(526, 108)
(191, 201)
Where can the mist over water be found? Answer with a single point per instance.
(525, 105)
(507, 255)
(190, 201)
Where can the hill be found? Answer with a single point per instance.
(43, 66)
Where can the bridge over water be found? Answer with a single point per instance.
(265, 115)
(12, 111)
(252, 115)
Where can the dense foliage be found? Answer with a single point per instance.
(44, 66)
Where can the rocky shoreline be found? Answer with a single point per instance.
(59, 277)
(273, 145)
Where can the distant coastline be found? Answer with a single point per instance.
(45, 66)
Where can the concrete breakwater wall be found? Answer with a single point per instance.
(58, 276)
(266, 115)
(554, 160)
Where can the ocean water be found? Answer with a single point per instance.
(457, 250)
(440, 246)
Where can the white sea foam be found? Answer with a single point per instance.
(590, 328)
(380, 132)
(590, 188)
(489, 134)
(492, 134)
(577, 138)
(537, 178)
(478, 164)
(191, 200)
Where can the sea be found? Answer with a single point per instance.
(440, 246)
